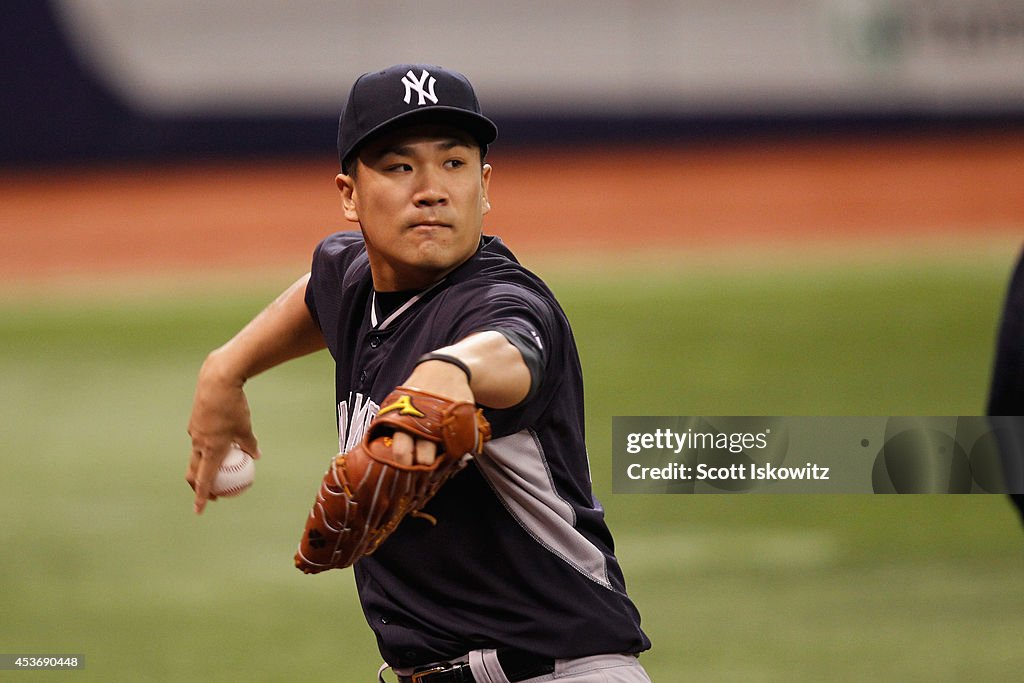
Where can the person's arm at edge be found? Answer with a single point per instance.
(220, 412)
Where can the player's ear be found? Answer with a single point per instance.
(485, 182)
(347, 187)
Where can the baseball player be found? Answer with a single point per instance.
(1006, 395)
(461, 495)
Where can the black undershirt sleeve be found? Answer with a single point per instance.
(531, 356)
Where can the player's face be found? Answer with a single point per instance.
(419, 194)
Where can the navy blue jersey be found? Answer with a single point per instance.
(1006, 394)
(520, 555)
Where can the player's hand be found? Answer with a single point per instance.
(220, 417)
(365, 493)
(436, 377)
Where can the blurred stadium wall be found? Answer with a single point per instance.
(119, 79)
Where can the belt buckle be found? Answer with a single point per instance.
(420, 675)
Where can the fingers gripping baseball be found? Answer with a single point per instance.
(220, 417)
(367, 492)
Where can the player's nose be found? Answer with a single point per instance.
(431, 199)
(430, 190)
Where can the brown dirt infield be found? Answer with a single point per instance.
(170, 218)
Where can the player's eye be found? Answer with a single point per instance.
(398, 168)
(455, 163)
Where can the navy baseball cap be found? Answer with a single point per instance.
(410, 93)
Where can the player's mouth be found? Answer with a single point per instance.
(429, 225)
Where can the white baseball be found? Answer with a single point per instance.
(236, 473)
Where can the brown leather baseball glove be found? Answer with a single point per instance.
(365, 494)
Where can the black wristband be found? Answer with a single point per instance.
(445, 358)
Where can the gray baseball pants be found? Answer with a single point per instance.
(597, 669)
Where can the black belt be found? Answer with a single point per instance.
(518, 666)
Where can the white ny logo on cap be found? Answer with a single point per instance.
(411, 83)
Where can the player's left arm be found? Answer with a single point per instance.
(498, 378)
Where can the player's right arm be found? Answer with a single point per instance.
(220, 412)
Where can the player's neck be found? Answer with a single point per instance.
(389, 302)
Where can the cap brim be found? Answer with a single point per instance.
(479, 126)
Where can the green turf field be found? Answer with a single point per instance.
(102, 555)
